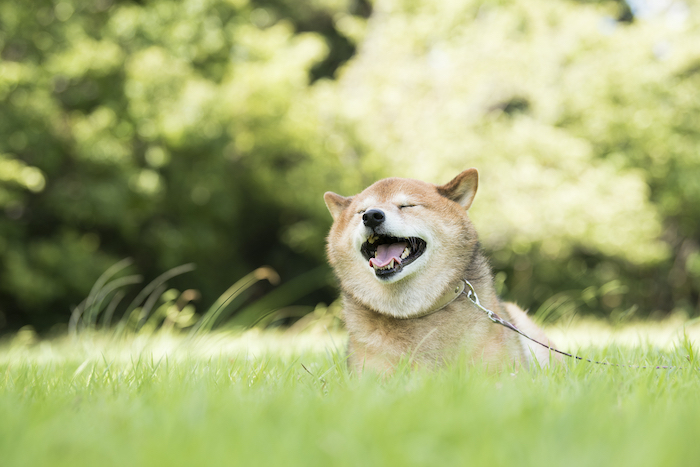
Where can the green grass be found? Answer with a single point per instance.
(265, 398)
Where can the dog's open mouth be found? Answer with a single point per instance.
(388, 255)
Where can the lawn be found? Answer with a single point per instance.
(271, 398)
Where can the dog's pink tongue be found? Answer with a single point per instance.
(387, 252)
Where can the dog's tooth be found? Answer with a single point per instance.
(405, 253)
(391, 265)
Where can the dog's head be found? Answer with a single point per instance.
(397, 246)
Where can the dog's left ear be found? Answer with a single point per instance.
(336, 203)
(462, 188)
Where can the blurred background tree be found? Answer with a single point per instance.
(166, 131)
(206, 131)
(580, 116)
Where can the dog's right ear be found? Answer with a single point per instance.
(336, 203)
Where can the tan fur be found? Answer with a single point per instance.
(378, 312)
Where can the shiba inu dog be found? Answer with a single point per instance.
(401, 249)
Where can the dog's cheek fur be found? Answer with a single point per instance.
(338, 247)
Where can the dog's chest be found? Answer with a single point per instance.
(433, 336)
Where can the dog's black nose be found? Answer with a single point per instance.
(373, 217)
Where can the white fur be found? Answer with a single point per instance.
(394, 226)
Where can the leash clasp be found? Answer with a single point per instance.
(471, 295)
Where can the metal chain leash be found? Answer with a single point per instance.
(471, 295)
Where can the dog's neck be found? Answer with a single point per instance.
(476, 271)
(452, 293)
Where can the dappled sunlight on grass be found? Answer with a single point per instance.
(590, 332)
(317, 339)
(250, 344)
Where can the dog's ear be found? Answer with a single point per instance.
(462, 188)
(336, 203)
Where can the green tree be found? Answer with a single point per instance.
(171, 132)
(582, 121)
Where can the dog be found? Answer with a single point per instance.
(401, 250)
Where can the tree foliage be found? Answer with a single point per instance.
(206, 131)
(581, 120)
(167, 131)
